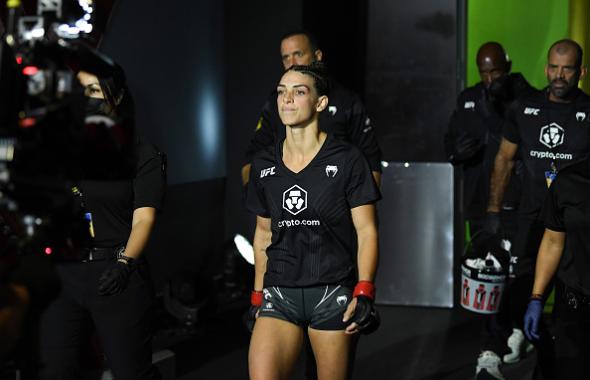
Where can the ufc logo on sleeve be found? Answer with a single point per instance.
(267, 172)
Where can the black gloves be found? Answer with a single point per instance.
(365, 315)
(461, 144)
(491, 224)
(256, 298)
(115, 278)
(465, 148)
(250, 317)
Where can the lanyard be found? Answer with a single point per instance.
(551, 174)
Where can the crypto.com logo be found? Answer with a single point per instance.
(295, 200)
(552, 135)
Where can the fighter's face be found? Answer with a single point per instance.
(296, 50)
(297, 99)
(563, 74)
(489, 70)
(91, 85)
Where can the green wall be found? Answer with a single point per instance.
(526, 29)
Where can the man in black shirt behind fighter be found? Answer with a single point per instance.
(472, 141)
(552, 130)
(346, 117)
(475, 129)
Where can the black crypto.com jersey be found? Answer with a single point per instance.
(313, 237)
(567, 209)
(547, 133)
(345, 118)
(112, 203)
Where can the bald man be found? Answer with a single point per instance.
(551, 129)
(474, 132)
(471, 142)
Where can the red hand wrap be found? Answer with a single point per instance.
(256, 298)
(364, 288)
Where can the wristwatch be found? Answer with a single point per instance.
(124, 259)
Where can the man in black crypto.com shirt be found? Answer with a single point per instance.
(552, 130)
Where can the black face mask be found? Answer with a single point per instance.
(500, 87)
(96, 106)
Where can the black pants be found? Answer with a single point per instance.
(526, 248)
(496, 328)
(122, 322)
(572, 338)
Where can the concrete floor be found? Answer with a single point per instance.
(411, 344)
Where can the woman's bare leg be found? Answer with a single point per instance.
(274, 349)
(331, 350)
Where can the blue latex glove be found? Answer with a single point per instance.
(532, 316)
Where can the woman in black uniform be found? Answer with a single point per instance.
(565, 251)
(107, 282)
(312, 194)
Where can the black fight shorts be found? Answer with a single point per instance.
(321, 307)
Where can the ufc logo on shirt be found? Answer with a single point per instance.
(531, 111)
(267, 172)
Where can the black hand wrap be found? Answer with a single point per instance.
(115, 278)
(250, 317)
(365, 315)
(256, 298)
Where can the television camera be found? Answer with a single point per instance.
(48, 139)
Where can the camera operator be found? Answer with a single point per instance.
(28, 282)
(76, 184)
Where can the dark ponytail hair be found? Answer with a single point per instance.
(318, 71)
